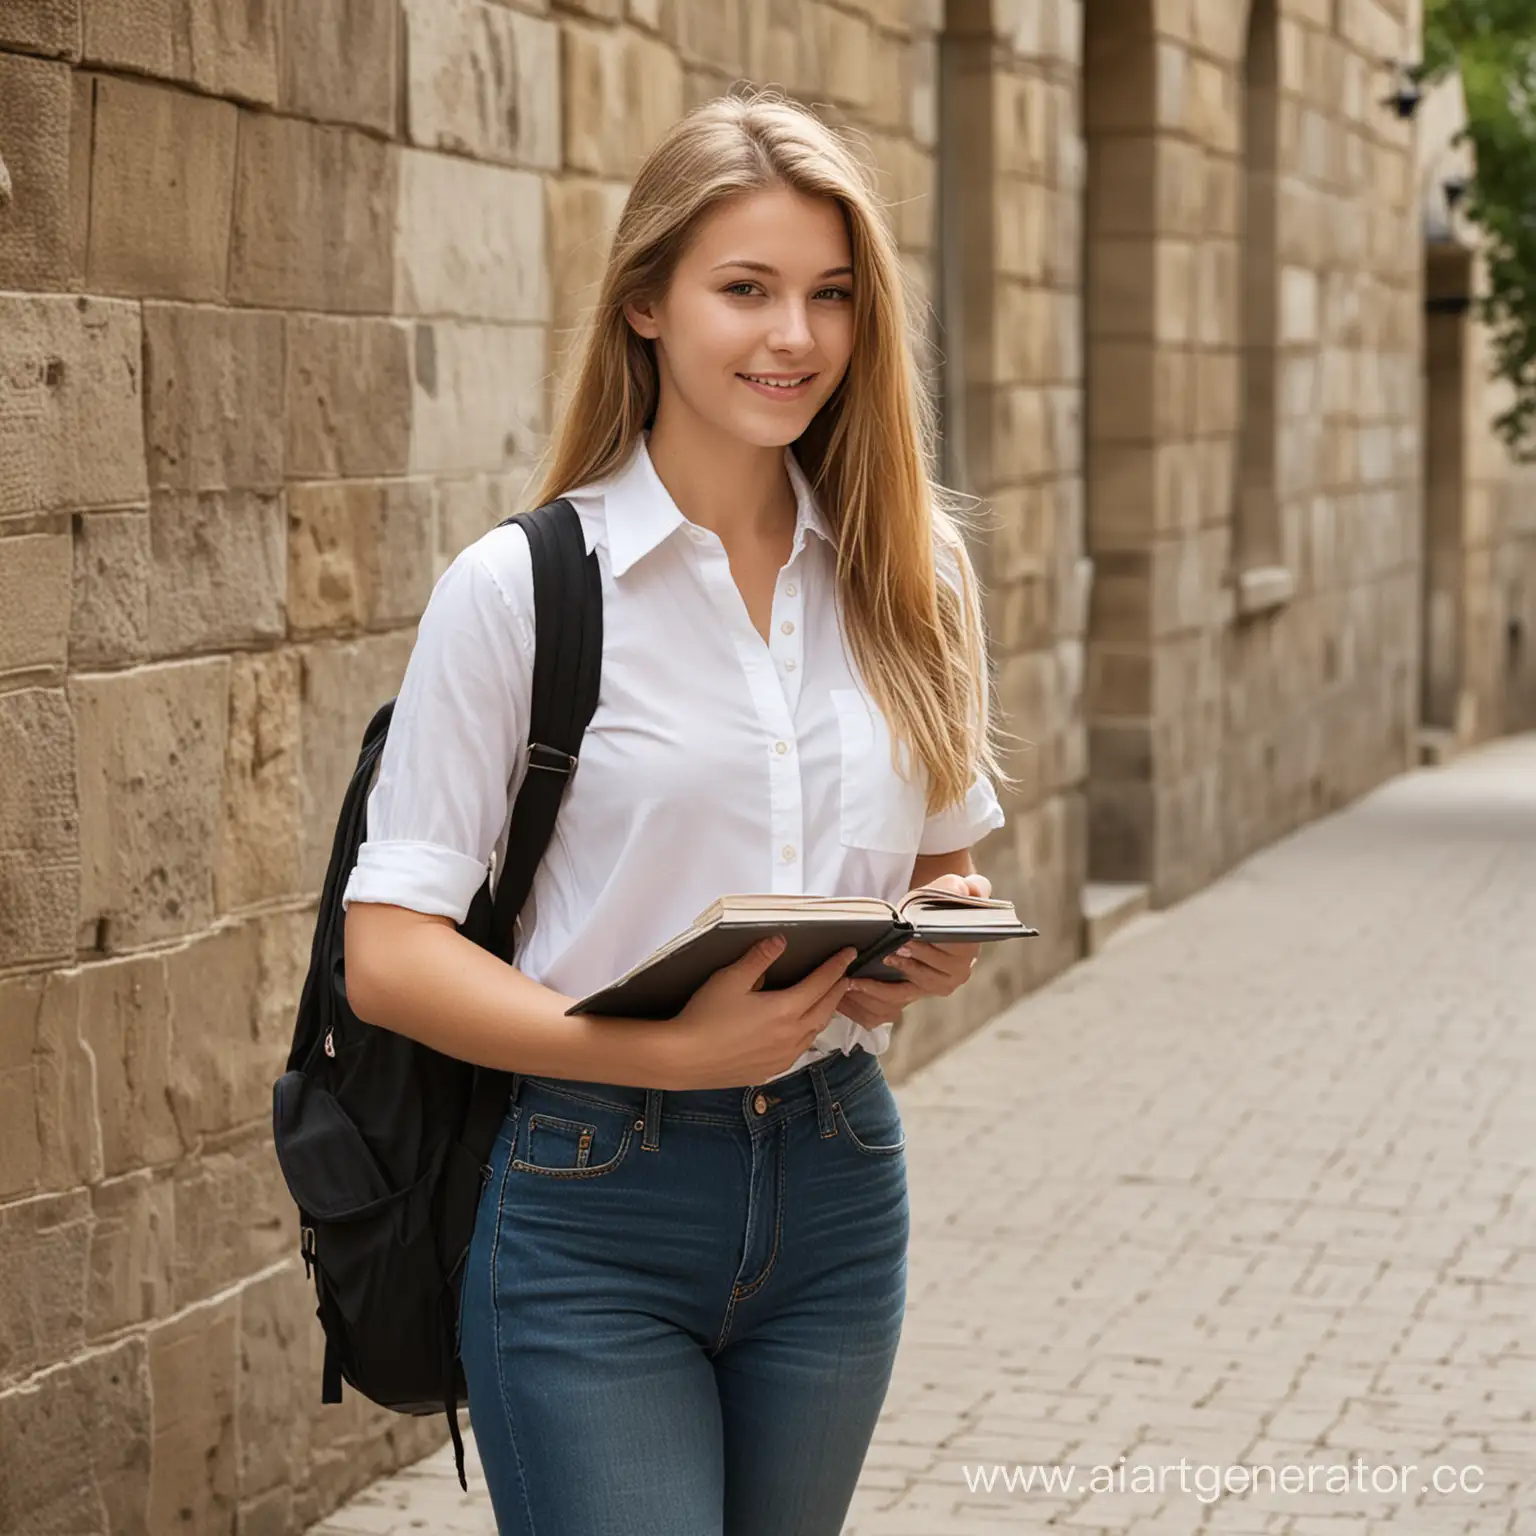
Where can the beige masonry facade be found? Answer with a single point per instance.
(285, 286)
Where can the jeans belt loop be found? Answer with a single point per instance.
(651, 1141)
(824, 1116)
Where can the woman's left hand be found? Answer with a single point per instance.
(932, 970)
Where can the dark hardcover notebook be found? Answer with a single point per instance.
(814, 927)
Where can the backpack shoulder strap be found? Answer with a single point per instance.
(567, 670)
(567, 666)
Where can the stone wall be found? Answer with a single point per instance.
(1253, 458)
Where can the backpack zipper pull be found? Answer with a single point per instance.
(330, 1043)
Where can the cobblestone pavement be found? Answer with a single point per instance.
(1252, 1189)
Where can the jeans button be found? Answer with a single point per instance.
(760, 1104)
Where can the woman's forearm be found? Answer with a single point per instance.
(420, 977)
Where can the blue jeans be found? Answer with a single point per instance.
(680, 1310)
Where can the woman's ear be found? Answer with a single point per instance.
(642, 319)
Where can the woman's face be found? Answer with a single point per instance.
(756, 329)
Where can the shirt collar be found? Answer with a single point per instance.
(639, 513)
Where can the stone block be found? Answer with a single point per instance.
(479, 396)
(470, 240)
(132, 1240)
(620, 92)
(484, 80)
(1122, 280)
(64, 1080)
(1019, 439)
(338, 62)
(43, 1261)
(90, 1416)
(141, 36)
(109, 617)
(71, 411)
(192, 1364)
(213, 398)
(776, 51)
(161, 186)
(1021, 226)
(1140, 392)
(1218, 392)
(359, 554)
(343, 685)
(842, 45)
(707, 34)
(45, 139)
(48, 27)
(273, 1395)
(1121, 70)
(233, 1214)
(21, 1153)
(119, 1011)
(39, 830)
(348, 396)
(34, 602)
(258, 844)
(1215, 278)
(217, 570)
(1123, 180)
(222, 48)
(314, 216)
(581, 218)
(467, 508)
(150, 753)
(1298, 306)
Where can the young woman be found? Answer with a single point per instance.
(682, 1303)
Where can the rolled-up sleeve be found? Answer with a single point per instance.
(458, 737)
(965, 824)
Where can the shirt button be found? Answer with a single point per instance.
(788, 853)
(698, 535)
(789, 666)
(791, 590)
(760, 1104)
(788, 626)
(781, 747)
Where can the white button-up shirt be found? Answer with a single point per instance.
(716, 762)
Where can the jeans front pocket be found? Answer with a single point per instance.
(563, 1138)
(870, 1119)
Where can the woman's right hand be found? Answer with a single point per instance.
(731, 1034)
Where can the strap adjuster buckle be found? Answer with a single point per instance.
(551, 759)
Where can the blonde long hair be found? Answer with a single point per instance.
(916, 637)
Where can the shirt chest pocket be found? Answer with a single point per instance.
(878, 808)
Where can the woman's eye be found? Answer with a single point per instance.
(749, 290)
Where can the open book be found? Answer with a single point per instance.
(814, 927)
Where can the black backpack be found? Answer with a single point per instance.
(385, 1143)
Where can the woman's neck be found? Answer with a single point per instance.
(738, 490)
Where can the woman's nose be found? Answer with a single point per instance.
(792, 330)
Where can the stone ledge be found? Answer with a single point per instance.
(1263, 589)
(1437, 747)
(1107, 907)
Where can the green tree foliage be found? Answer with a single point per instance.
(1493, 42)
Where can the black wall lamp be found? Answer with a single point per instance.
(1406, 95)
(1455, 188)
